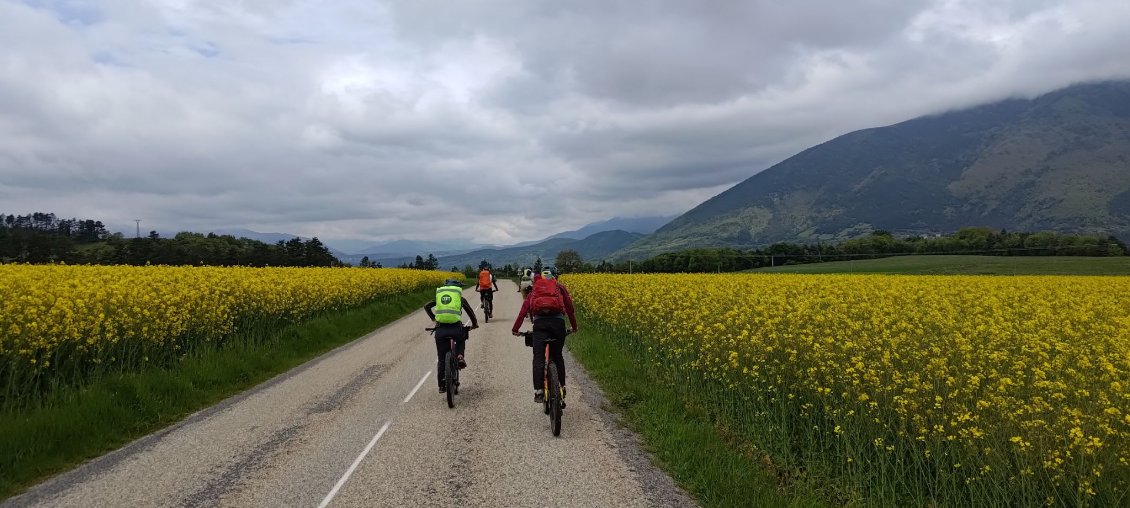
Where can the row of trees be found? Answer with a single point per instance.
(45, 238)
(211, 250)
(981, 241)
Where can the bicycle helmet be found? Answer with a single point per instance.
(549, 273)
(451, 282)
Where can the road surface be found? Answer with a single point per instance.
(364, 425)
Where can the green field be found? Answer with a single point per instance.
(969, 265)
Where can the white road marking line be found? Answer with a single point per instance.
(349, 472)
(417, 388)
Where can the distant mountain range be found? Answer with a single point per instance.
(1059, 162)
(593, 248)
(410, 248)
(642, 225)
(394, 253)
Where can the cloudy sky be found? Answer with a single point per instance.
(498, 120)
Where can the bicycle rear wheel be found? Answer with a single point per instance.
(553, 395)
(545, 389)
(452, 372)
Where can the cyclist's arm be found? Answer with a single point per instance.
(521, 316)
(568, 305)
(470, 312)
(495, 281)
(428, 308)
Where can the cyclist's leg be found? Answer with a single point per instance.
(557, 347)
(461, 343)
(540, 334)
(441, 351)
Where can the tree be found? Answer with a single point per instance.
(537, 265)
(365, 262)
(569, 261)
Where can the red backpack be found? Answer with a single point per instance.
(546, 299)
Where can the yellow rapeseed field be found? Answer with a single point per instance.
(60, 319)
(961, 389)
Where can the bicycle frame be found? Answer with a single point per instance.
(552, 398)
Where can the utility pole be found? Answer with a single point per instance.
(138, 221)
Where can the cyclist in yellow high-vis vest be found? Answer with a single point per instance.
(448, 307)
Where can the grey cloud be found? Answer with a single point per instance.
(359, 119)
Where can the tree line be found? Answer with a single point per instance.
(45, 238)
(972, 241)
(978, 240)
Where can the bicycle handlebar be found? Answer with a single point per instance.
(530, 333)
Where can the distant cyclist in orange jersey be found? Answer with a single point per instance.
(488, 284)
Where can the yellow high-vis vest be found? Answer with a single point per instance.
(449, 305)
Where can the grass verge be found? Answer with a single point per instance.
(717, 470)
(75, 425)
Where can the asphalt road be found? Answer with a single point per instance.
(351, 429)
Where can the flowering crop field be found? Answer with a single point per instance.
(908, 390)
(59, 324)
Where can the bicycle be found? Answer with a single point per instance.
(488, 306)
(451, 366)
(554, 396)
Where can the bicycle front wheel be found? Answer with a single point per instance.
(553, 396)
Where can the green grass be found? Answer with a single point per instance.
(969, 265)
(74, 425)
(694, 449)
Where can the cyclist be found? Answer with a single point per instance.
(488, 284)
(525, 282)
(547, 305)
(449, 306)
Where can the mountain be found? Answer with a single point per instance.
(644, 225)
(592, 248)
(395, 252)
(413, 247)
(401, 248)
(1058, 162)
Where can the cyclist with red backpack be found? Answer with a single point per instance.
(547, 305)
